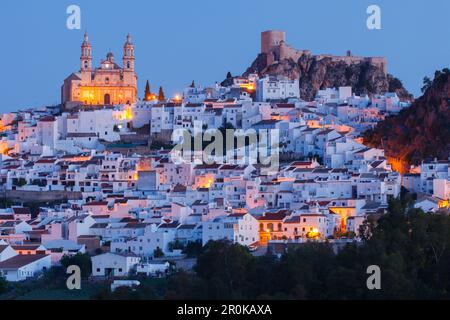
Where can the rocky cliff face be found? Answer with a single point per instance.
(421, 131)
(315, 74)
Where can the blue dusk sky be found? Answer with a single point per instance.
(178, 41)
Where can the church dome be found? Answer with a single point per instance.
(110, 57)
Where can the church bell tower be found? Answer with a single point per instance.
(86, 55)
(128, 55)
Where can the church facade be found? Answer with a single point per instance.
(108, 84)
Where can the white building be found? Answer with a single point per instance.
(21, 267)
(113, 264)
(152, 268)
(238, 228)
(275, 88)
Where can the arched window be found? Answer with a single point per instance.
(128, 65)
(261, 227)
(280, 227)
(107, 80)
(86, 64)
(270, 226)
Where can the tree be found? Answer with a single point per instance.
(148, 93)
(176, 245)
(193, 248)
(83, 260)
(3, 285)
(161, 96)
(20, 182)
(229, 76)
(158, 253)
(395, 84)
(184, 285)
(426, 84)
(223, 265)
(193, 84)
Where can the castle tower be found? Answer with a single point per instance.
(86, 55)
(270, 42)
(128, 55)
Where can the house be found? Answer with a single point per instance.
(189, 232)
(239, 228)
(21, 213)
(114, 264)
(354, 224)
(275, 88)
(6, 252)
(153, 268)
(146, 244)
(21, 267)
(79, 226)
(429, 203)
(29, 249)
(61, 247)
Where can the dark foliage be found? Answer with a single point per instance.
(83, 260)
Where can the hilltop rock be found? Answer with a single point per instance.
(317, 73)
(421, 131)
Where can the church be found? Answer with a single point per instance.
(109, 84)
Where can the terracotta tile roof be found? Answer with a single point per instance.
(21, 210)
(179, 188)
(273, 216)
(96, 203)
(47, 119)
(26, 246)
(20, 261)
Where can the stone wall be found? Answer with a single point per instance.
(40, 196)
(273, 44)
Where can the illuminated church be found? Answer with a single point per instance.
(108, 84)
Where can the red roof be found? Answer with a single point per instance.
(179, 188)
(237, 214)
(20, 261)
(46, 161)
(97, 203)
(280, 215)
(47, 119)
(21, 210)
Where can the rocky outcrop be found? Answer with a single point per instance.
(422, 131)
(316, 73)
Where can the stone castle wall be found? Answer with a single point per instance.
(273, 44)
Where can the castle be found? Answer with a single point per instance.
(108, 84)
(273, 44)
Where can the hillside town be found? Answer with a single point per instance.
(96, 174)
